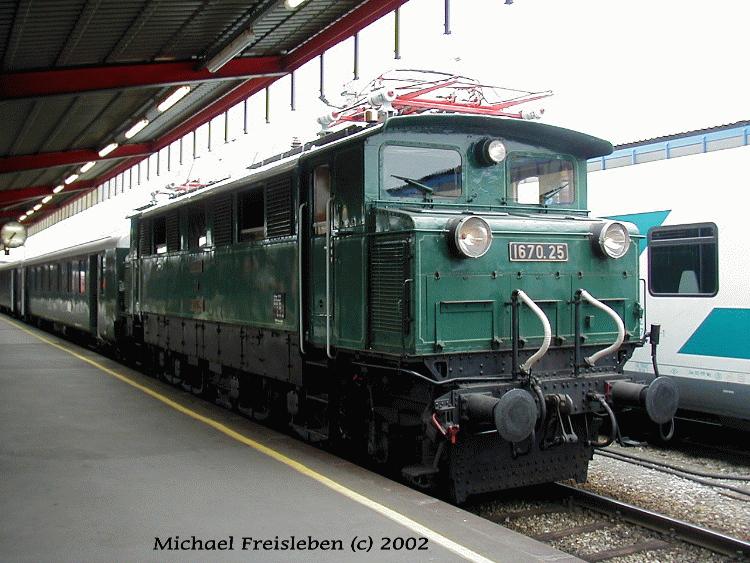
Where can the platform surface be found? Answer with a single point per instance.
(101, 463)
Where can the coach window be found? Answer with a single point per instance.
(82, 277)
(251, 222)
(75, 276)
(541, 180)
(160, 235)
(197, 229)
(683, 260)
(421, 172)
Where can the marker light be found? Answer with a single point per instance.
(611, 239)
(173, 98)
(58, 189)
(293, 4)
(135, 129)
(88, 166)
(72, 178)
(490, 151)
(47, 199)
(108, 149)
(470, 237)
(37, 207)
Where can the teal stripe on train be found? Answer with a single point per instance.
(723, 333)
(644, 222)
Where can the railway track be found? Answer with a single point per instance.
(577, 512)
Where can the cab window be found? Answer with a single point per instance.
(321, 194)
(541, 180)
(421, 172)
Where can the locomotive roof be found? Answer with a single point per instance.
(555, 138)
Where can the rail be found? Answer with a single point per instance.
(686, 532)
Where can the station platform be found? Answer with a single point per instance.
(102, 463)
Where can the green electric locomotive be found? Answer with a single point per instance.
(429, 290)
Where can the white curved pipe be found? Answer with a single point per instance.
(529, 363)
(591, 360)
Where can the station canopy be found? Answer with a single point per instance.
(78, 75)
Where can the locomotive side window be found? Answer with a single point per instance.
(541, 180)
(197, 228)
(160, 235)
(322, 192)
(252, 224)
(421, 172)
(683, 260)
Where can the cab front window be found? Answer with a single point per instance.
(421, 172)
(541, 180)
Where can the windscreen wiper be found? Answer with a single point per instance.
(546, 196)
(427, 190)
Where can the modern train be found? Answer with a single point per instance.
(687, 193)
(429, 291)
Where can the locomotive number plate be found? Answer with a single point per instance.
(538, 252)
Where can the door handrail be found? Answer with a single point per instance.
(300, 293)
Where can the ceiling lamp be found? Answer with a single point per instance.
(58, 189)
(22, 217)
(293, 4)
(108, 149)
(231, 50)
(72, 178)
(37, 207)
(88, 166)
(173, 98)
(30, 212)
(47, 199)
(135, 129)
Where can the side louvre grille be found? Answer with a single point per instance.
(144, 237)
(279, 215)
(389, 268)
(222, 209)
(173, 231)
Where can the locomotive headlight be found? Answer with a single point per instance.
(491, 151)
(612, 239)
(470, 237)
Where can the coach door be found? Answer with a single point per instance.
(93, 292)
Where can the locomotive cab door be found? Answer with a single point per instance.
(319, 275)
(336, 251)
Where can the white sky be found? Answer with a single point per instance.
(622, 70)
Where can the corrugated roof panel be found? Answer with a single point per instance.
(12, 117)
(38, 32)
(108, 22)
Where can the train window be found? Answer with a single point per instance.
(421, 171)
(321, 193)
(75, 276)
(197, 229)
(541, 180)
(683, 260)
(160, 235)
(252, 224)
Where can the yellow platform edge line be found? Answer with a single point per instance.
(381, 509)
